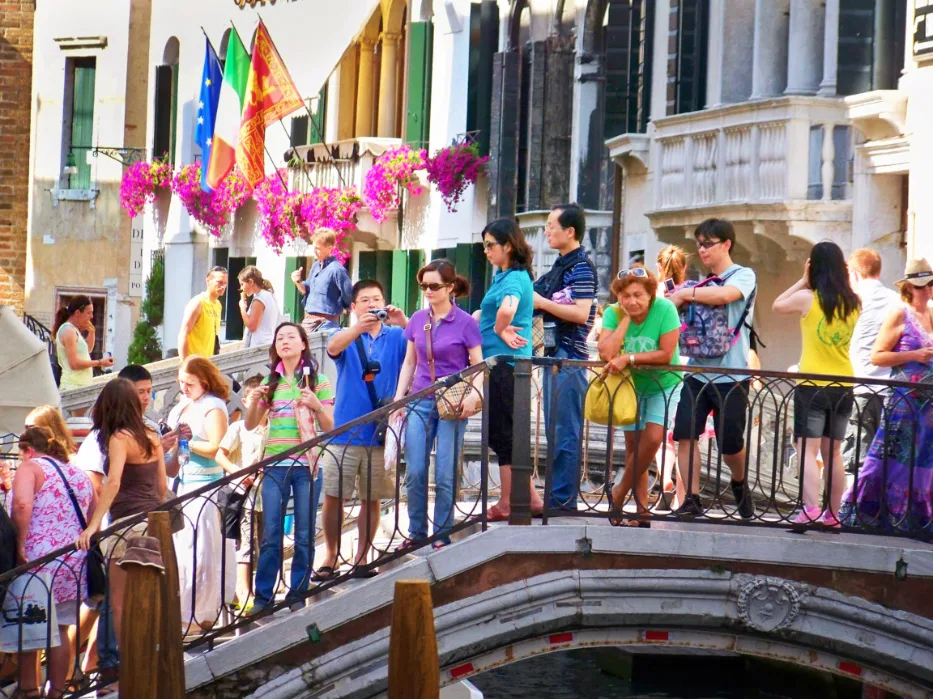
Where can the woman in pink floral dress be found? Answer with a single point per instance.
(46, 520)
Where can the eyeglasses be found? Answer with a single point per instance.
(433, 287)
(487, 245)
(707, 244)
(636, 272)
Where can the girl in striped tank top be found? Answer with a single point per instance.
(287, 388)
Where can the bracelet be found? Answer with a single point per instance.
(694, 299)
(631, 360)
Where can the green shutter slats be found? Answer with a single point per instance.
(82, 120)
(418, 112)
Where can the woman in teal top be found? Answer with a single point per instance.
(642, 330)
(505, 327)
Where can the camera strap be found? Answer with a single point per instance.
(369, 376)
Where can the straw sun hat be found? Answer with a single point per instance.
(917, 272)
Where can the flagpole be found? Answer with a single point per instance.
(333, 158)
(217, 55)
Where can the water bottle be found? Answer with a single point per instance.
(184, 453)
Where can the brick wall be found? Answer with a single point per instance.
(16, 26)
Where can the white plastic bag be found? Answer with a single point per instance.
(394, 441)
(29, 619)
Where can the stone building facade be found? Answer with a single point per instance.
(16, 41)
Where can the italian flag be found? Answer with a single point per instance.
(229, 111)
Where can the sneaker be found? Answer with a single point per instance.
(830, 520)
(692, 507)
(743, 498)
(809, 514)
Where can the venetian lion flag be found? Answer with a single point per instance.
(229, 112)
(270, 96)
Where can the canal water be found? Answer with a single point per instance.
(614, 674)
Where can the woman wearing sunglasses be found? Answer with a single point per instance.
(442, 340)
(642, 330)
(893, 489)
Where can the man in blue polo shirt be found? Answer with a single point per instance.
(354, 460)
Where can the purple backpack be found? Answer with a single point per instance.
(704, 330)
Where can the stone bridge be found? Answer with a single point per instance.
(848, 604)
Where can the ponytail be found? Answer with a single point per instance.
(461, 286)
(267, 285)
(65, 312)
(42, 440)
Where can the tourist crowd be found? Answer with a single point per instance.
(851, 327)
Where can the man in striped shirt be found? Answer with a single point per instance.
(567, 297)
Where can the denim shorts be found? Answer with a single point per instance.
(659, 408)
(822, 411)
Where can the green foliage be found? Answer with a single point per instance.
(145, 346)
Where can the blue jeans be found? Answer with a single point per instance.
(424, 426)
(564, 428)
(107, 653)
(278, 482)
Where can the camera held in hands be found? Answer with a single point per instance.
(380, 313)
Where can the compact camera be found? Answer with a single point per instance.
(380, 313)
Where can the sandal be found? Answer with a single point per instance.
(362, 574)
(438, 545)
(323, 574)
(407, 543)
(618, 520)
(494, 514)
(637, 522)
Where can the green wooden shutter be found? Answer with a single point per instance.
(420, 47)
(82, 119)
(290, 294)
(316, 130)
(405, 293)
(171, 155)
(366, 266)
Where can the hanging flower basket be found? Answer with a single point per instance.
(213, 210)
(391, 172)
(453, 169)
(279, 211)
(140, 184)
(326, 207)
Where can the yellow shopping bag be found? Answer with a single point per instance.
(611, 397)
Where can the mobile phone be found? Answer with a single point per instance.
(669, 285)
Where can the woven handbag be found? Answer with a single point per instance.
(450, 401)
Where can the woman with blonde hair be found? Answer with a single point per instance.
(260, 316)
(672, 264)
(50, 417)
(203, 407)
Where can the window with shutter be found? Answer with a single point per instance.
(299, 131)
(871, 45)
(318, 116)
(691, 57)
(163, 138)
(484, 38)
(291, 297)
(418, 112)
(80, 121)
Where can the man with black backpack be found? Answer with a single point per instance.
(720, 345)
(566, 296)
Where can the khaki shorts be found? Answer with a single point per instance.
(113, 547)
(345, 465)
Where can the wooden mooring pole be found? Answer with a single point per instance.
(414, 672)
(171, 651)
(141, 629)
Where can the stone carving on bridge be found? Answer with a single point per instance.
(769, 604)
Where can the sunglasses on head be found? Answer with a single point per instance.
(636, 272)
(707, 244)
(432, 287)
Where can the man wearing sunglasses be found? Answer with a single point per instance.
(572, 278)
(723, 395)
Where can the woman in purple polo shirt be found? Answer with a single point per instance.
(455, 345)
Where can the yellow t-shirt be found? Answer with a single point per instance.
(826, 345)
(202, 335)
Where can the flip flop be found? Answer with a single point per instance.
(323, 574)
(364, 574)
(493, 514)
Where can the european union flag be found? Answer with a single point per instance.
(211, 77)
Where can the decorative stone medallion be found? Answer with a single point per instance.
(768, 604)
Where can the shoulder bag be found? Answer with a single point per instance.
(96, 577)
(370, 369)
(610, 398)
(449, 400)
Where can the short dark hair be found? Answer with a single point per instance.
(217, 268)
(135, 373)
(364, 284)
(572, 216)
(718, 228)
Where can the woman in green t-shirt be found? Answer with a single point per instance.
(642, 330)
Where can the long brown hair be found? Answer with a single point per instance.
(117, 409)
(212, 381)
(448, 274)
(42, 440)
(76, 304)
(306, 359)
(251, 273)
(49, 417)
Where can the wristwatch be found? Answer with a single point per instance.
(631, 360)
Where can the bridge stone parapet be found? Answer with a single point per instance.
(849, 604)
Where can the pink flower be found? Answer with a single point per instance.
(390, 172)
(139, 184)
(453, 169)
(214, 210)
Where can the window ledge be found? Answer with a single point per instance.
(88, 195)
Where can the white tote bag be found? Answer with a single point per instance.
(29, 619)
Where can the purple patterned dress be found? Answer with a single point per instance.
(893, 488)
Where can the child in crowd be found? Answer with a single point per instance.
(239, 449)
